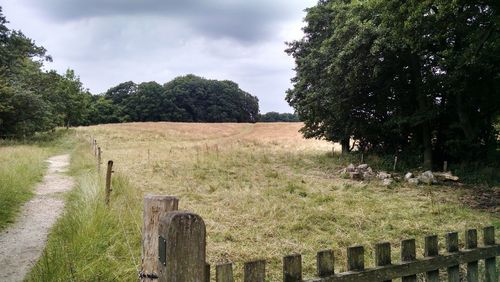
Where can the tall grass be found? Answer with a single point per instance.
(93, 242)
(21, 167)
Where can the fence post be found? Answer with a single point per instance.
(325, 263)
(383, 255)
(155, 207)
(431, 249)
(490, 271)
(181, 248)
(452, 247)
(471, 243)
(254, 271)
(108, 181)
(292, 268)
(408, 254)
(224, 273)
(99, 160)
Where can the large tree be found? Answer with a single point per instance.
(400, 76)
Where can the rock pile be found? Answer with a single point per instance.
(360, 172)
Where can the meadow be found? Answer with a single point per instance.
(262, 190)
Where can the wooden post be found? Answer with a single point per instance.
(255, 271)
(490, 272)
(99, 159)
(445, 166)
(452, 247)
(383, 254)
(155, 207)
(95, 148)
(181, 248)
(224, 273)
(431, 250)
(355, 258)
(395, 163)
(325, 263)
(292, 268)
(471, 243)
(108, 181)
(408, 254)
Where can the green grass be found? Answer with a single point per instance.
(22, 165)
(92, 242)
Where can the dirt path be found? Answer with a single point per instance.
(22, 243)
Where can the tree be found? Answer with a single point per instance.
(400, 76)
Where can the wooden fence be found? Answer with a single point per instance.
(181, 257)
(174, 250)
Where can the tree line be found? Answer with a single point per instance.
(186, 98)
(35, 100)
(413, 77)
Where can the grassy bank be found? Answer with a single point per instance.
(92, 242)
(22, 165)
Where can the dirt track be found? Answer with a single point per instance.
(22, 243)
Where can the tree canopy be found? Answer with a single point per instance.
(412, 76)
(186, 98)
(31, 99)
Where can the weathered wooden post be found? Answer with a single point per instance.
(155, 207)
(108, 181)
(95, 148)
(445, 166)
(99, 152)
(181, 248)
(395, 163)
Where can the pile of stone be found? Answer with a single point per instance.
(429, 177)
(360, 172)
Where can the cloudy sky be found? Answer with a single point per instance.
(111, 41)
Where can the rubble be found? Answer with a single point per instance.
(387, 181)
(427, 178)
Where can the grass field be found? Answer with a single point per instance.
(265, 192)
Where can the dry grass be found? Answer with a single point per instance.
(265, 192)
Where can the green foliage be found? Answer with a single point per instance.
(278, 117)
(31, 99)
(186, 98)
(415, 76)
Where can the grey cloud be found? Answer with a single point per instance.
(241, 20)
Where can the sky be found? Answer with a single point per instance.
(108, 42)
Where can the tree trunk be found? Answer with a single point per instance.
(345, 145)
(422, 107)
(463, 117)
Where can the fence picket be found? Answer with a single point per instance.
(356, 258)
(431, 250)
(224, 273)
(452, 247)
(325, 262)
(471, 243)
(490, 272)
(255, 271)
(292, 268)
(408, 254)
(383, 255)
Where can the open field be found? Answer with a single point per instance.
(264, 191)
